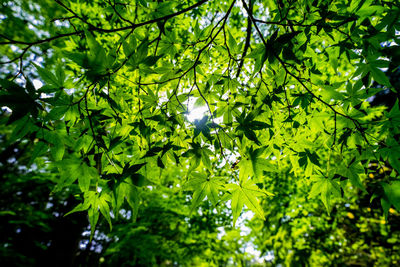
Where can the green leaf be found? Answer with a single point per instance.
(80, 207)
(60, 74)
(78, 58)
(205, 157)
(380, 77)
(57, 112)
(126, 190)
(143, 3)
(86, 175)
(142, 50)
(160, 163)
(353, 172)
(151, 60)
(48, 77)
(237, 202)
(232, 43)
(246, 194)
(130, 47)
(40, 148)
(93, 219)
(385, 203)
(255, 53)
(104, 207)
(203, 186)
(325, 188)
(253, 165)
(285, 38)
(130, 170)
(392, 192)
(57, 149)
(395, 111)
(97, 55)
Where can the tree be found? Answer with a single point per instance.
(104, 92)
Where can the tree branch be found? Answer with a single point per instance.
(248, 38)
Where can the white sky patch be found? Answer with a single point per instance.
(60, 23)
(37, 83)
(197, 113)
(242, 9)
(19, 81)
(384, 69)
(6, 109)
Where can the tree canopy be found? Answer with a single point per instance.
(178, 110)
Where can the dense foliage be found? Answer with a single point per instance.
(164, 119)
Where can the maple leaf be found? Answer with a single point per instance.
(324, 187)
(246, 194)
(203, 186)
(253, 165)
